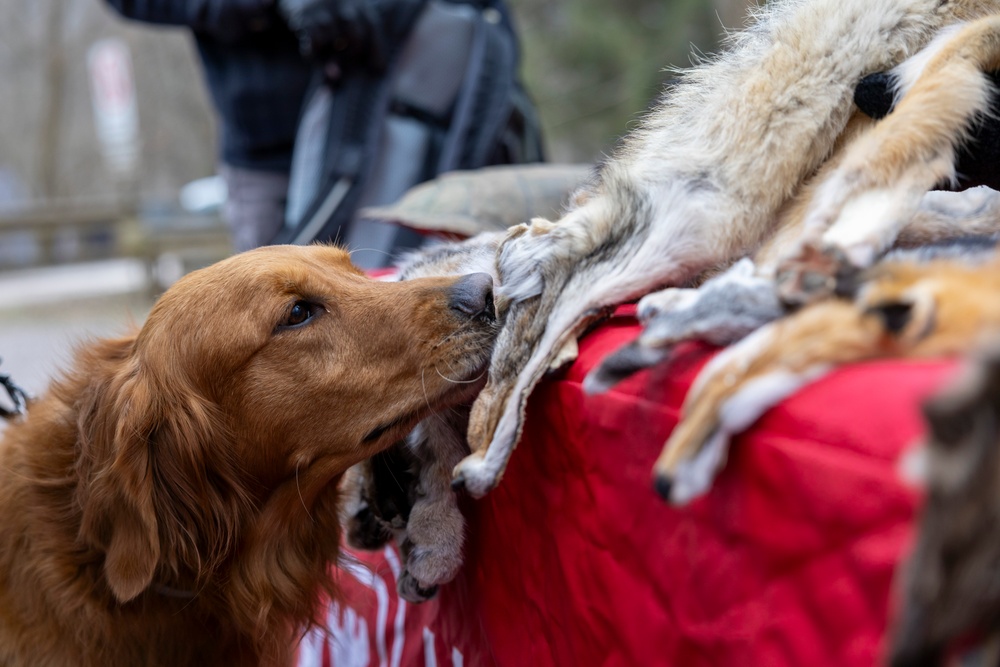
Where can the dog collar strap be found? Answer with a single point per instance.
(17, 395)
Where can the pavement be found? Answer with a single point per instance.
(45, 312)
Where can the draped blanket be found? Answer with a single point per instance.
(790, 560)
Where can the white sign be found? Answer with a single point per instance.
(116, 114)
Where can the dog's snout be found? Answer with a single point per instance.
(473, 295)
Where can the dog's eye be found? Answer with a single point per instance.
(300, 313)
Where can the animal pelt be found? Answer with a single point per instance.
(754, 151)
(173, 498)
(746, 296)
(915, 304)
(949, 584)
(704, 180)
(918, 143)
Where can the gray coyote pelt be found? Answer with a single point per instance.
(703, 181)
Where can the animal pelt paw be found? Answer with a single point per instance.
(813, 273)
(622, 364)
(364, 528)
(475, 476)
(412, 591)
(435, 534)
(721, 312)
(378, 497)
(427, 566)
(367, 531)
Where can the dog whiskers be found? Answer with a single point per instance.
(423, 386)
(460, 330)
(354, 250)
(448, 379)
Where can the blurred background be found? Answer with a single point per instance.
(104, 123)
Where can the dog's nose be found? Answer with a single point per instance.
(473, 295)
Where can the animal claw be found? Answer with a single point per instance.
(622, 364)
(663, 485)
(410, 589)
(814, 273)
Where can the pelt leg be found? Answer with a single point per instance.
(861, 207)
(435, 529)
(747, 379)
(723, 310)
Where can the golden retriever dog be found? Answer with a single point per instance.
(758, 145)
(173, 498)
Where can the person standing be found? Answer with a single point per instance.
(257, 80)
(259, 57)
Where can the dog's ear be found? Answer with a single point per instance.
(160, 486)
(117, 424)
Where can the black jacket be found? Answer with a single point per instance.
(253, 69)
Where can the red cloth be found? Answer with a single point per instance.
(573, 560)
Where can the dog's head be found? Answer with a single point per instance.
(951, 585)
(253, 385)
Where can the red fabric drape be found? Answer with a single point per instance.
(573, 560)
